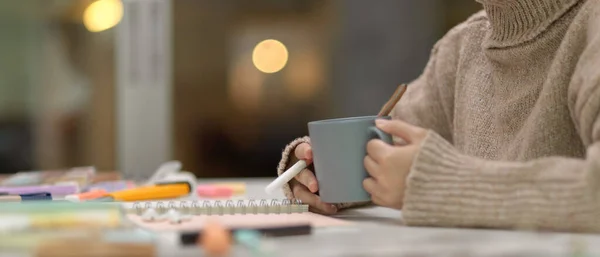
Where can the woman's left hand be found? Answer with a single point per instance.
(389, 165)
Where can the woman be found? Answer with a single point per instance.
(502, 129)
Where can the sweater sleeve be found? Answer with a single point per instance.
(287, 160)
(447, 188)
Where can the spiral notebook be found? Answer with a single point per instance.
(192, 215)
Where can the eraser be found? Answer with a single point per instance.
(238, 188)
(213, 191)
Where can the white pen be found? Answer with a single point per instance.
(285, 177)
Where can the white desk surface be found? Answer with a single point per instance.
(378, 232)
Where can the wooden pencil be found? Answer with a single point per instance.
(389, 105)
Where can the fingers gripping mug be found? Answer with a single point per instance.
(339, 148)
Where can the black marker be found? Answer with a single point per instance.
(191, 238)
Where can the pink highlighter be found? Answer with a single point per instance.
(214, 191)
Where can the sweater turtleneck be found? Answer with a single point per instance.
(516, 21)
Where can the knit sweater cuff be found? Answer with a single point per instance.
(285, 163)
(433, 181)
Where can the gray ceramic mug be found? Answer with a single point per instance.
(339, 147)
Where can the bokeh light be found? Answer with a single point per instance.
(102, 15)
(270, 56)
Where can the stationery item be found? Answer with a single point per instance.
(238, 188)
(55, 190)
(389, 105)
(82, 176)
(157, 216)
(251, 239)
(78, 175)
(110, 186)
(93, 194)
(55, 207)
(285, 177)
(108, 219)
(101, 177)
(28, 239)
(190, 238)
(339, 148)
(170, 173)
(45, 215)
(164, 171)
(26, 197)
(214, 191)
(24, 179)
(153, 192)
(94, 248)
(208, 207)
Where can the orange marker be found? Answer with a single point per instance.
(153, 192)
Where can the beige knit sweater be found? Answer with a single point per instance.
(512, 101)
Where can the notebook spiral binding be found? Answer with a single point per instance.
(207, 207)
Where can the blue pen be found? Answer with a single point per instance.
(251, 239)
(26, 197)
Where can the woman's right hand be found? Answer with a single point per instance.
(304, 185)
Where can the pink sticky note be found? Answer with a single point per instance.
(214, 191)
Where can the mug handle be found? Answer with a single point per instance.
(376, 133)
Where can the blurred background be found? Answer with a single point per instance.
(245, 76)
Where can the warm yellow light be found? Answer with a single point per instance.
(102, 15)
(270, 56)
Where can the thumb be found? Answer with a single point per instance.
(398, 128)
